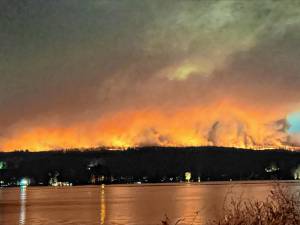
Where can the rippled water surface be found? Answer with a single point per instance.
(122, 204)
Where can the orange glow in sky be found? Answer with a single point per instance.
(222, 125)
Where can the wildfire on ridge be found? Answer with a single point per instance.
(216, 125)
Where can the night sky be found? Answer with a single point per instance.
(134, 73)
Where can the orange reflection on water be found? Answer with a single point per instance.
(102, 206)
(22, 214)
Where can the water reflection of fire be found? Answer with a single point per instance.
(102, 206)
(22, 214)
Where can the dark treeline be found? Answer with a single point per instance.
(149, 164)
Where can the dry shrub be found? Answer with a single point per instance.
(279, 208)
(167, 221)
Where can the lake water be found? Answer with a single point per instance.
(123, 204)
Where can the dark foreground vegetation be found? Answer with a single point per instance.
(149, 164)
(281, 207)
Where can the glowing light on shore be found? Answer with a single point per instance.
(24, 182)
(188, 176)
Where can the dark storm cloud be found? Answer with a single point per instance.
(270, 68)
(56, 54)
